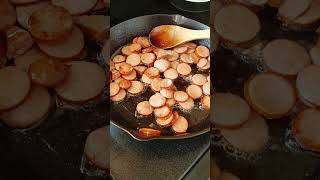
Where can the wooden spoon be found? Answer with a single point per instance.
(168, 36)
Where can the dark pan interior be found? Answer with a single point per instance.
(123, 113)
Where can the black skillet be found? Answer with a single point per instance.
(122, 115)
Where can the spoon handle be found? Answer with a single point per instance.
(200, 34)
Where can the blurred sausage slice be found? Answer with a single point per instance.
(76, 7)
(143, 41)
(291, 9)
(14, 87)
(50, 25)
(71, 47)
(85, 81)
(23, 62)
(97, 148)
(125, 68)
(18, 41)
(285, 57)
(152, 72)
(305, 129)
(7, 14)
(48, 72)
(120, 96)
(186, 58)
(144, 108)
(180, 125)
(229, 111)
(308, 86)
(270, 95)
(24, 12)
(180, 49)
(251, 136)
(95, 27)
(31, 111)
(157, 100)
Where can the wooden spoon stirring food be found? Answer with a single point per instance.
(168, 36)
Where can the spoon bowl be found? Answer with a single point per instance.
(168, 36)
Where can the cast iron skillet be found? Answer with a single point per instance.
(122, 115)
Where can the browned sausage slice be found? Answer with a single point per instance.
(170, 102)
(118, 59)
(167, 84)
(202, 51)
(157, 100)
(131, 76)
(76, 7)
(180, 96)
(199, 79)
(18, 41)
(51, 24)
(155, 84)
(162, 112)
(166, 93)
(187, 105)
(171, 73)
(133, 59)
(140, 69)
(14, 87)
(125, 84)
(120, 96)
(31, 111)
(186, 58)
(205, 101)
(144, 108)
(136, 88)
(184, 69)
(48, 72)
(152, 72)
(71, 47)
(162, 64)
(114, 89)
(148, 132)
(180, 49)
(125, 68)
(146, 79)
(148, 58)
(194, 91)
(206, 88)
(84, 82)
(165, 122)
(180, 125)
